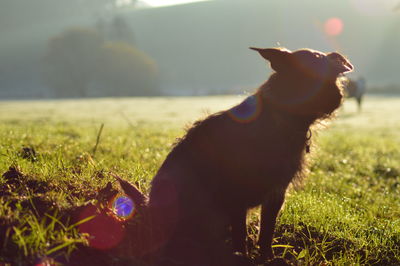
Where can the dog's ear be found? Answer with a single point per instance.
(279, 58)
(339, 63)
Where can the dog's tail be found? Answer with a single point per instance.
(134, 193)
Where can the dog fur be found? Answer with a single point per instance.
(238, 159)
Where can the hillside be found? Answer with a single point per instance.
(202, 48)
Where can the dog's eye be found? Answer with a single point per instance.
(318, 55)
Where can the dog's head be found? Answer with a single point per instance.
(305, 80)
(306, 62)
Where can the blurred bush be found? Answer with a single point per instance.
(80, 63)
(70, 61)
(123, 70)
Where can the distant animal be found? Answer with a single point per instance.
(237, 159)
(356, 89)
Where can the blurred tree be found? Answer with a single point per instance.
(118, 29)
(123, 70)
(79, 63)
(121, 31)
(70, 61)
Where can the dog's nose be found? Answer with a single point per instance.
(339, 63)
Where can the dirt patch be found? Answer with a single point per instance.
(28, 153)
(17, 182)
(26, 196)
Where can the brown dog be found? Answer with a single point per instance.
(241, 158)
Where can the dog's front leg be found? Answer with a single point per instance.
(239, 231)
(269, 212)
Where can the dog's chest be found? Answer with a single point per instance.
(254, 170)
(243, 162)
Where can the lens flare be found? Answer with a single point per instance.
(333, 26)
(248, 110)
(104, 231)
(123, 207)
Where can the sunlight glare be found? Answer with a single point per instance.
(157, 3)
(333, 26)
(120, 3)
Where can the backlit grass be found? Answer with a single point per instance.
(347, 211)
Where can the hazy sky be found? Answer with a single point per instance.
(169, 2)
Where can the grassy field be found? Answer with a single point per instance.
(55, 159)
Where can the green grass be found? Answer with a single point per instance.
(346, 213)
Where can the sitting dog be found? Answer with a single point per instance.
(240, 158)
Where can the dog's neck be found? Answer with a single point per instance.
(296, 126)
(285, 119)
(284, 97)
